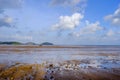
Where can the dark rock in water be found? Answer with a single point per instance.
(51, 77)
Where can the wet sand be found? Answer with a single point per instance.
(59, 62)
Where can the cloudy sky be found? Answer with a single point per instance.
(71, 22)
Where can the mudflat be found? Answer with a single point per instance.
(59, 62)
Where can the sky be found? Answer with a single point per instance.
(62, 22)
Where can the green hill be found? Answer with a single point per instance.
(11, 43)
(47, 43)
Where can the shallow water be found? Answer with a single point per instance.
(98, 56)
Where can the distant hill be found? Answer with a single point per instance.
(30, 43)
(11, 43)
(47, 43)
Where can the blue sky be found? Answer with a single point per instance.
(70, 22)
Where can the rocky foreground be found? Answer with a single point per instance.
(69, 70)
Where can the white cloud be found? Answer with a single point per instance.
(68, 22)
(77, 5)
(6, 21)
(90, 28)
(16, 37)
(6, 4)
(110, 33)
(21, 37)
(114, 18)
(66, 2)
